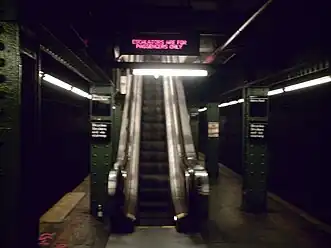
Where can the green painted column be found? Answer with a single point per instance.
(20, 169)
(194, 122)
(116, 128)
(211, 156)
(255, 163)
(101, 147)
(222, 121)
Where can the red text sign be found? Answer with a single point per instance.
(159, 44)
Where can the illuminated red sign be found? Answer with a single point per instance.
(159, 44)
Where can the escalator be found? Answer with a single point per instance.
(157, 179)
(155, 207)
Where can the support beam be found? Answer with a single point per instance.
(220, 49)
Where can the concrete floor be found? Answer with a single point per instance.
(228, 227)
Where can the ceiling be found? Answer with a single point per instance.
(279, 36)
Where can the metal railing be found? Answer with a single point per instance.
(196, 176)
(118, 172)
(177, 182)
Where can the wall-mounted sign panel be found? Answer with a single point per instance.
(257, 130)
(100, 131)
(213, 129)
(100, 108)
(258, 107)
(160, 44)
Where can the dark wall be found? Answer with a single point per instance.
(299, 147)
(65, 142)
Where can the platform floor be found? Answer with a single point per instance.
(228, 227)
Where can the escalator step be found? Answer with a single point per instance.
(154, 180)
(154, 177)
(153, 168)
(152, 127)
(155, 206)
(155, 103)
(153, 95)
(152, 110)
(153, 118)
(156, 195)
(153, 146)
(150, 156)
(155, 136)
(156, 215)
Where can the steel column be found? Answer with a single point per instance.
(255, 164)
(101, 148)
(19, 138)
(211, 155)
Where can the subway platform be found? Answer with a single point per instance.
(228, 227)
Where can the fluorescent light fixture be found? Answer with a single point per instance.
(81, 93)
(275, 92)
(222, 105)
(50, 79)
(171, 72)
(232, 102)
(57, 82)
(309, 83)
(202, 109)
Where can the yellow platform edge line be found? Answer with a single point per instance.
(58, 212)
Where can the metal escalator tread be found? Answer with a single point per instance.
(155, 203)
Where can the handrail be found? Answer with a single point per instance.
(131, 183)
(122, 152)
(177, 182)
(193, 168)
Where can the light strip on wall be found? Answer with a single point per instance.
(170, 72)
(306, 84)
(50, 79)
(81, 93)
(202, 109)
(275, 92)
(57, 82)
(309, 83)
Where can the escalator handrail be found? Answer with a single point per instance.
(123, 147)
(131, 182)
(192, 167)
(177, 182)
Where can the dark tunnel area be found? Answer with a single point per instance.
(299, 139)
(65, 152)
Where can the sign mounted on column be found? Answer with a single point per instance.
(100, 132)
(213, 129)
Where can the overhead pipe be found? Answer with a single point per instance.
(212, 56)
